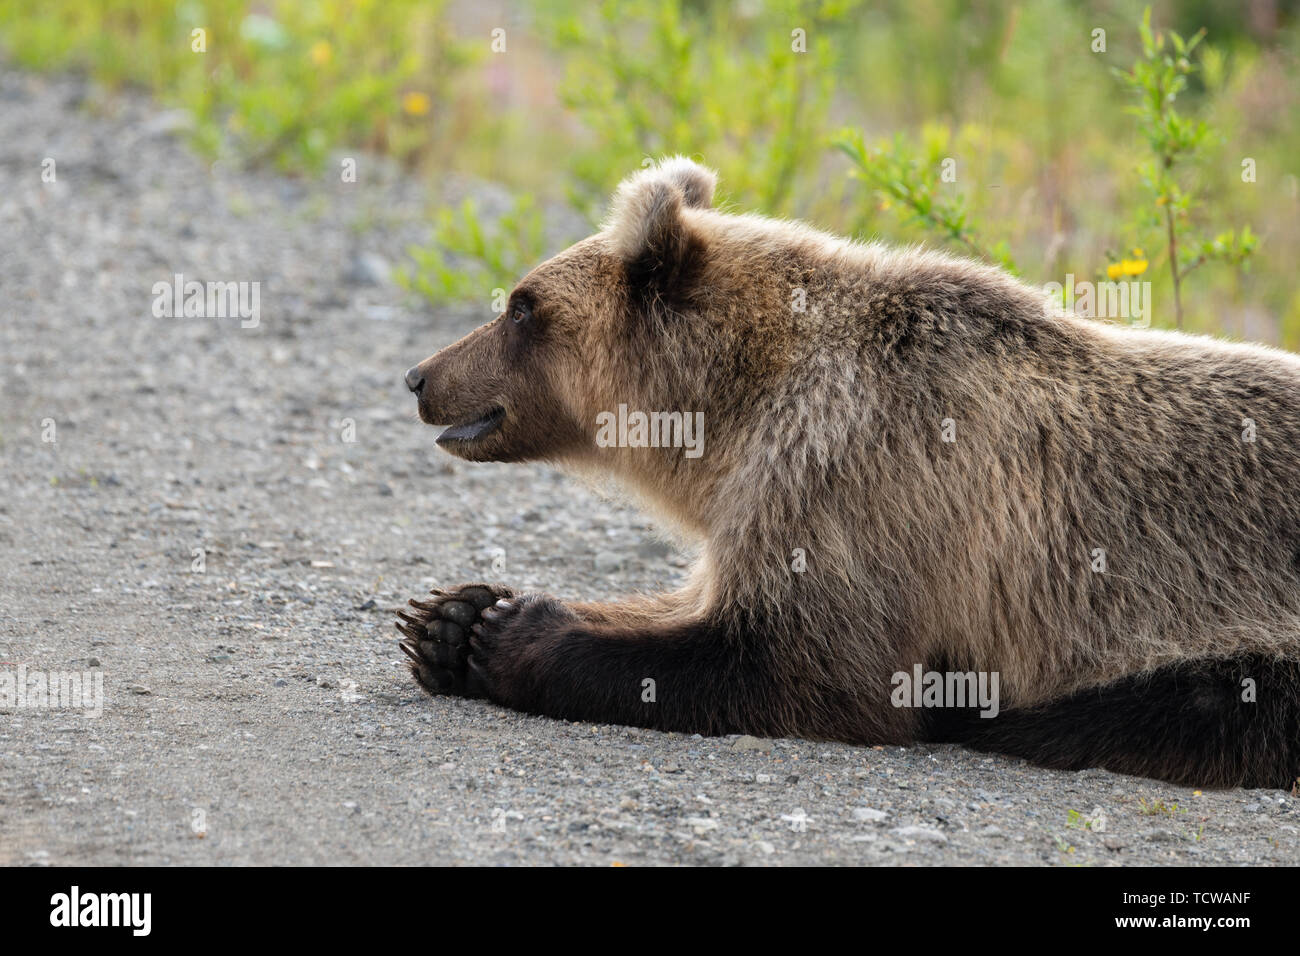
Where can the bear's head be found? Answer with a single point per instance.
(672, 309)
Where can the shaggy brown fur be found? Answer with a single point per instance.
(823, 432)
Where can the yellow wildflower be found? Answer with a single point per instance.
(1128, 267)
(415, 104)
(321, 52)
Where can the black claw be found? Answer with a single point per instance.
(410, 630)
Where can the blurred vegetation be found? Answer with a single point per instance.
(695, 79)
(278, 81)
(912, 179)
(470, 255)
(1041, 135)
(1158, 77)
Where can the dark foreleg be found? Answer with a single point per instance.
(534, 654)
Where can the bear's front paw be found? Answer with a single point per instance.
(438, 632)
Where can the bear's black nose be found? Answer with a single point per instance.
(414, 379)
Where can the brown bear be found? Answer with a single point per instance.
(907, 469)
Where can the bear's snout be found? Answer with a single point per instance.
(414, 379)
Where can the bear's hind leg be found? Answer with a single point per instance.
(1222, 722)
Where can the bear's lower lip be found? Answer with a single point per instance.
(473, 431)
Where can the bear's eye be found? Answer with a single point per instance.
(520, 313)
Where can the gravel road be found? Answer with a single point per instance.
(221, 520)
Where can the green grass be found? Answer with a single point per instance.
(281, 82)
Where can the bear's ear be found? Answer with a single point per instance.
(645, 223)
(695, 181)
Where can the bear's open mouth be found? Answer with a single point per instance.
(480, 427)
